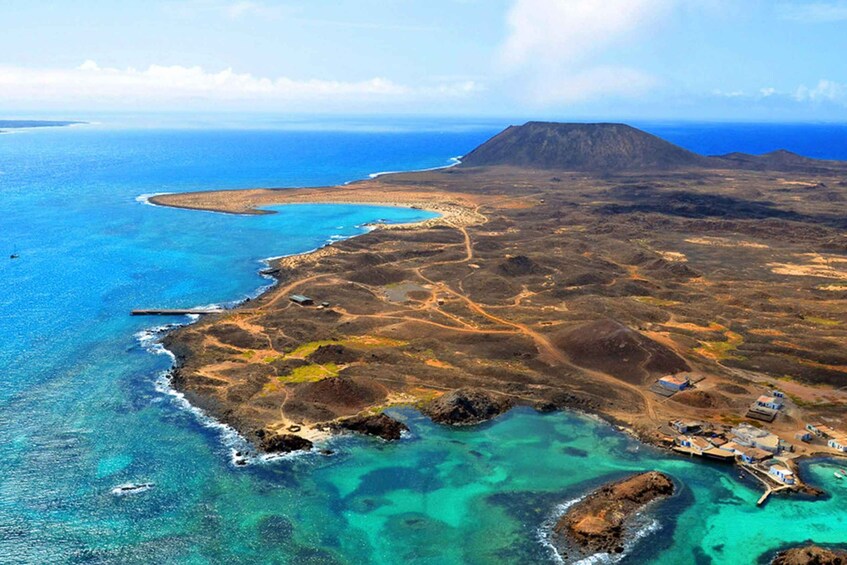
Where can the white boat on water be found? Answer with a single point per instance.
(839, 474)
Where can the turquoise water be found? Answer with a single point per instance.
(82, 409)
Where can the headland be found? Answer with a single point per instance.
(690, 299)
(20, 124)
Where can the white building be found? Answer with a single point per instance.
(838, 443)
(782, 474)
(772, 402)
(750, 436)
(674, 382)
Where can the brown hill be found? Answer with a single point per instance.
(609, 148)
(581, 147)
(779, 160)
(611, 347)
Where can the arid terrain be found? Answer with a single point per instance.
(556, 287)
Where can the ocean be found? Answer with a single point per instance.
(84, 407)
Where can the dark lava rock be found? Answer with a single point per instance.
(596, 523)
(230, 334)
(546, 406)
(465, 407)
(271, 442)
(333, 353)
(810, 555)
(379, 425)
(350, 393)
(520, 265)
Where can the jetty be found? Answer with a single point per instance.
(175, 311)
(763, 478)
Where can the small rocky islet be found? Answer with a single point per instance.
(597, 523)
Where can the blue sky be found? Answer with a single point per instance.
(638, 59)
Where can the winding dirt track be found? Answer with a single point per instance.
(549, 353)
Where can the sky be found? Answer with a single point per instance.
(736, 60)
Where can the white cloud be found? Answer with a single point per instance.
(824, 91)
(552, 44)
(238, 9)
(158, 86)
(593, 82)
(814, 12)
(234, 10)
(566, 31)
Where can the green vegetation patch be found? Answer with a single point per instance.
(822, 321)
(720, 350)
(653, 301)
(361, 342)
(311, 373)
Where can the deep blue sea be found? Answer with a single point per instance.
(84, 408)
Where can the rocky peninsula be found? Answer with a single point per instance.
(571, 266)
(810, 555)
(596, 524)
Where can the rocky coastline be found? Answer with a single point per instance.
(810, 555)
(495, 304)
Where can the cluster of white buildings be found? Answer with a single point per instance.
(744, 442)
(836, 439)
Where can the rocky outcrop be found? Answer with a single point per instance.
(466, 407)
(379, 425)
(810, 555)
(596, 523)
(271, 442)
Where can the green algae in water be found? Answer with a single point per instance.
(481, 495)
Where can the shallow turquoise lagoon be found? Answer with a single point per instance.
(82, 409)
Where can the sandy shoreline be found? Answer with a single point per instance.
(455, 210)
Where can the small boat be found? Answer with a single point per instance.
(131, 488)
(14, 256)
(838, 475)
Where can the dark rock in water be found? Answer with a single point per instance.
(466, 407)
(810, 555)
(379, 425)
(271, 442)
(546, 406)
(596, 523)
